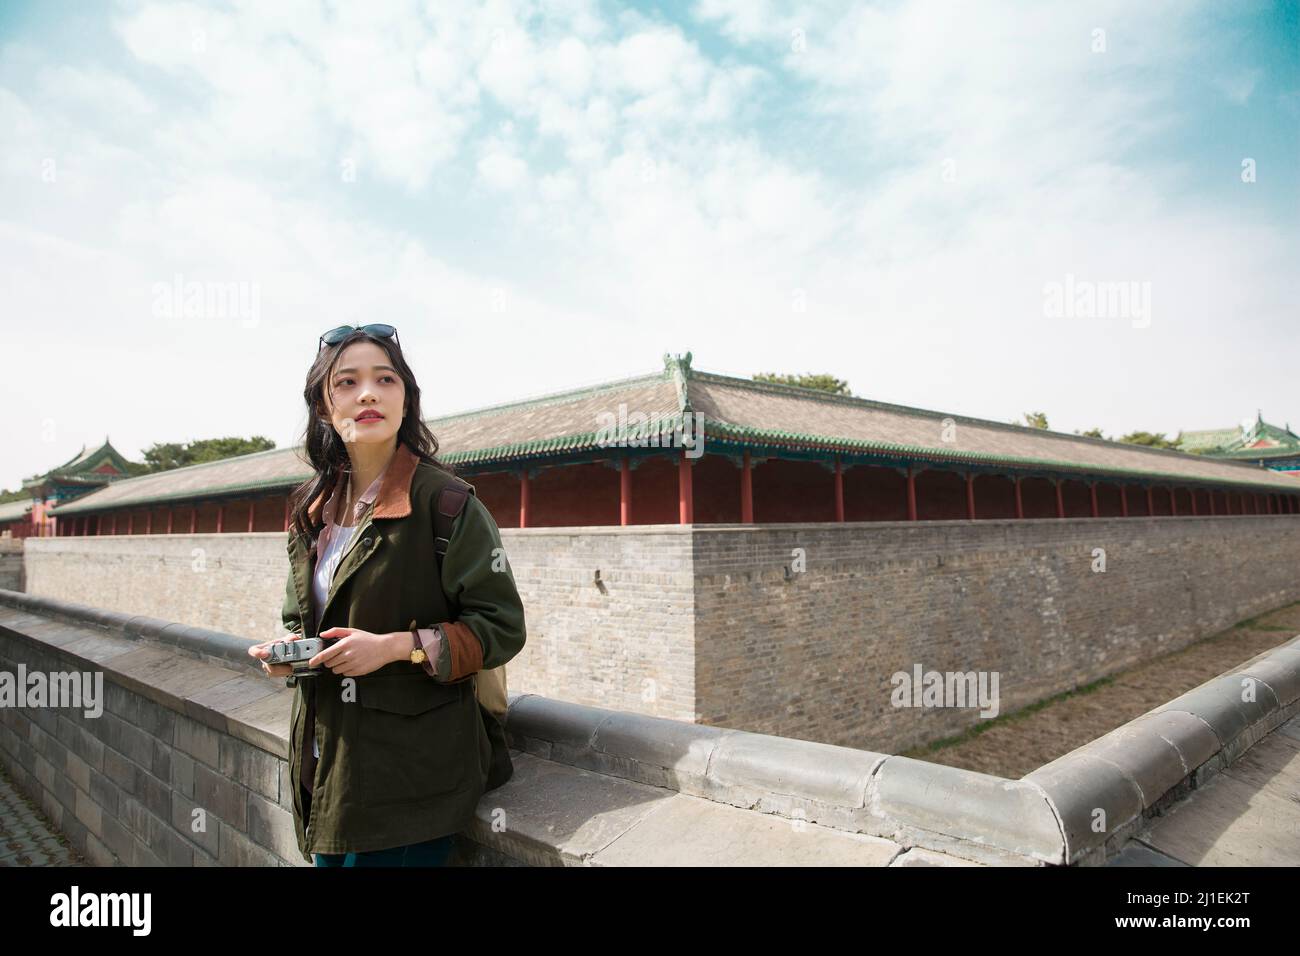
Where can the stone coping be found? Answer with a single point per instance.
(1104, 791)
(1080, 808)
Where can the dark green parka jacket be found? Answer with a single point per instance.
(404, 756)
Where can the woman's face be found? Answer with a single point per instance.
(369, 396)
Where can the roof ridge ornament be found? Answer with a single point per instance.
(679, 367)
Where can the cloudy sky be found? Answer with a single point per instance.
(546, 195)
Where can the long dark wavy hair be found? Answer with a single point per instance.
(325, 450)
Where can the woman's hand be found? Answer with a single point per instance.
(355, 652)
(263, 650)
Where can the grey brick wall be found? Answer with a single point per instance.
(124, 786)
(812, 657)
(700, 624)
(627, 648)
(11, 564)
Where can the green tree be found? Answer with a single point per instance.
(824, 383)
(1150, 439)
(164, 456)
(1036, 420)
(1092, 433)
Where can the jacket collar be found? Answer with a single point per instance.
(394, 498)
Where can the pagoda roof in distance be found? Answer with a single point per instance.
(1260, 440)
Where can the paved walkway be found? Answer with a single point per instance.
(26, 836)
(1248, 815)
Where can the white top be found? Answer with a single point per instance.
(326, 564)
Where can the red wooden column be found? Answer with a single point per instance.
(286, 515)
(523, 498)
(839, 490)
(194, 517)
(1173, 500)
(1123, 501)
(747, 490)
(970, 496)
(113, 530)
(99, 525)
(1151, 502)
(1060, 499)
(911, 494)
(1092, 492)
(130, 522)
(221, 516)
(148, 522)
(1210, 495)
(625, 491)
(1020, 505)
(1191, 493)
(685, 500)
(252, 506)
(171, 514)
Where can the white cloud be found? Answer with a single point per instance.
(666, 196)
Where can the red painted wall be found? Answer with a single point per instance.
(872, 493)
(1108, 503)
(995, 497)
(1039, 497)
(786, 491)
(940, 496)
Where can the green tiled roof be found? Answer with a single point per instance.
(737, 413)
(1211, 440)
(14, 510)
(1260, 441)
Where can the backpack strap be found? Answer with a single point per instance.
(451, 502)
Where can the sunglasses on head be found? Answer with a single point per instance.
(379, 331)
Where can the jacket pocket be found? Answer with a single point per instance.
(411, 744)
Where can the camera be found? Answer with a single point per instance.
(298, 653)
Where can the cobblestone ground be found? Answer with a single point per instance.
(1023, 742)
(26, 836)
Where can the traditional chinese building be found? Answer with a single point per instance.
(86, 472)
(681, 445)
(1273, 446)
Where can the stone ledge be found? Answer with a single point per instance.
(1134, 771)
(952, 811)
(599, 787)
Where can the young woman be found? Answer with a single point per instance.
(389, 748)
